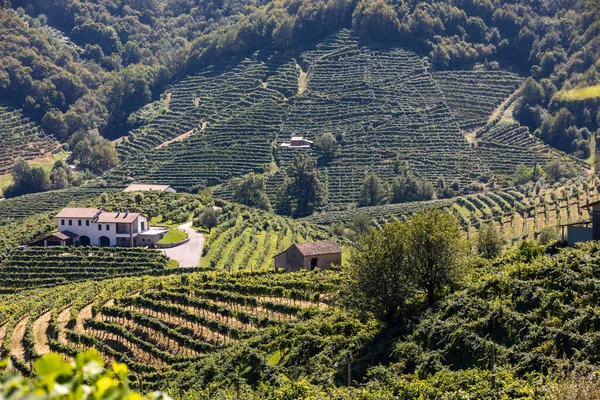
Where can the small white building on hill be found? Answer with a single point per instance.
(146, 187)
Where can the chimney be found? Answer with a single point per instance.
(118, 211)
(126, 212)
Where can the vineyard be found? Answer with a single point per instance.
(20, 207)
(521, 214)
(159, 325)
(52, 266)
(20, 137)
(248, 239)
(382, 105)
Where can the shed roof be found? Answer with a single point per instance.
(316, 248)
(593, 203)
(77, 213)
(134, 187)
(64, 235)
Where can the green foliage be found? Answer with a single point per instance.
(407, 188)
(390, 266)
(375, 20)
(27, 179)
(304, 186)
(326, 144)
(209, 218)
(372, 192)
(490, 241)
(93, 152)
(85, 378)
(250, 191)
(524, 174)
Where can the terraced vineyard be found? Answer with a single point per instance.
(158, 325)
(20, 137)
(474, 95)
(21, 207)
(382, 105)
(522, 214)
(39, 266)
(248, 239)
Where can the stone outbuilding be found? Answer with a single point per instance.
(309, 256)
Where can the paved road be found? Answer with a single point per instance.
(187, 254)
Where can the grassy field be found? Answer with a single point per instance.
(173, 236)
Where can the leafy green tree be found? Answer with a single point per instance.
(372, 192)
(558, 169)
(209, 218)
(251, 192)
(375, 20)
(490, 241)
(304, 186)
(27, 179)
(524, 174)
(407, 188)
(378, 278)
(326, 144)
(436, 251)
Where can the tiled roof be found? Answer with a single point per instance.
(64, 235)
(318, 248)
(134, 187)
(83, 213)
(122, 217)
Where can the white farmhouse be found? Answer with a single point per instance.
(96, 227)
(144, 187)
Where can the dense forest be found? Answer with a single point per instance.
(91, 64)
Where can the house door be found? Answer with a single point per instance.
(313, 263)
(104, 241)
(84, 240)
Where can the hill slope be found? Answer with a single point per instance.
(381, 104)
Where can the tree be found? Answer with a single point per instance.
(326, 144)
(490, 241)
(372, 192)
(209, 218)
(557, 169)
(375, 20)
(524, 174)
(27, 179)
(407, 188)
(251, 192)
(304, 186)
(436, 251)
(378, 279)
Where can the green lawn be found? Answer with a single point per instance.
(173, 236)
(46, 163)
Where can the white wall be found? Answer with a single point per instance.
(94, 234)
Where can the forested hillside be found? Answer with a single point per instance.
(95, 65)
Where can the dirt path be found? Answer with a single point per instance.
(84, 313)
(2, 333)
(63, 319)
(40, 327)
(302, 80)
(500, 109)
(177, 139)
(168, 101)
(16, 339)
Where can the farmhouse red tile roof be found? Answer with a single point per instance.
(318, 248)
(77, 213)
(104, 217)
(122, 217)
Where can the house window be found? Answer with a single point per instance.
(107, 227)
(99, 227)
(62, 221)
(79, 222)
(87, 223)
(143, 226)
(70, 222)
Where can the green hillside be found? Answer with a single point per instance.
(382, 105)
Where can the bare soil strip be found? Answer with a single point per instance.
(40, 327)
(84, 313)
(177, 139)
(63, 319)
(302, 80)
(16, 340)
